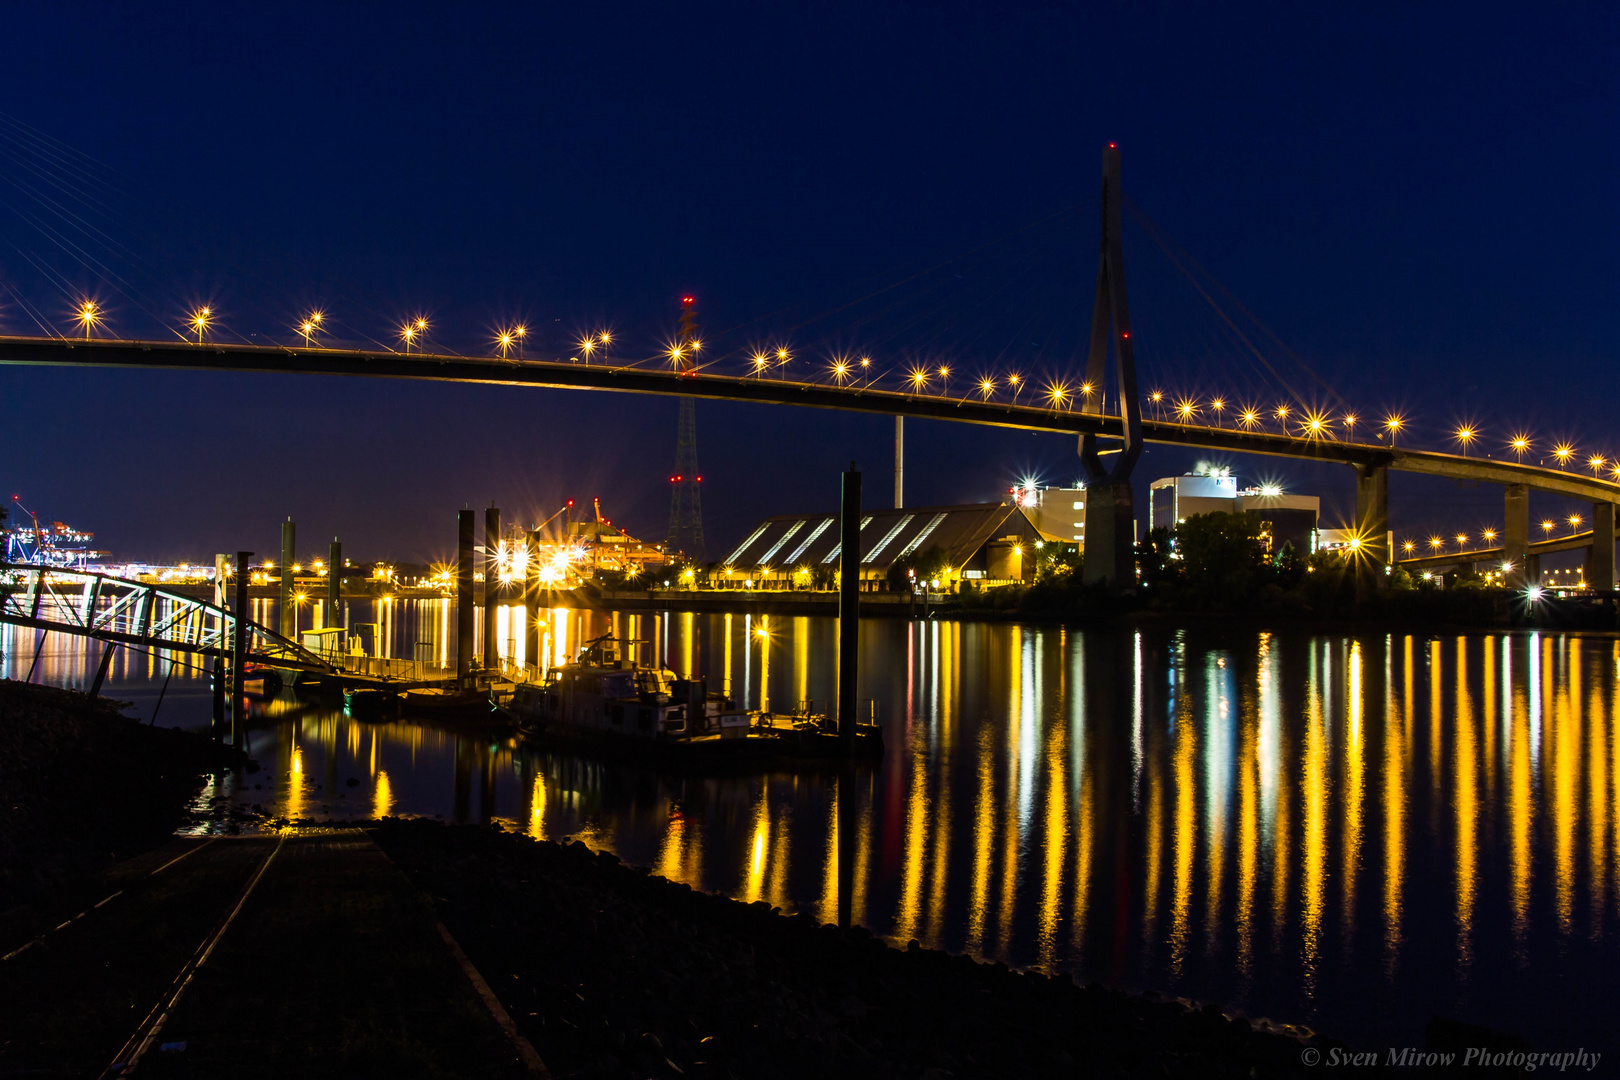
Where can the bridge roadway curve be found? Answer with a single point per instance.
(388, 364)
(1575, 542)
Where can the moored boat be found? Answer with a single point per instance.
(467, 706)
(608, 702)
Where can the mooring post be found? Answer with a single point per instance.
(218, 678)
(239, 646)
(334, 585)
(492, 578)
(289, 555)
(533, 605)
(464, 597)
(101, 671)
(849, 607)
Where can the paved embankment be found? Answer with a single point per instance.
(304, 955)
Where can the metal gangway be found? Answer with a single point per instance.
(138, 614)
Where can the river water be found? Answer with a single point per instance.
(1353, 831)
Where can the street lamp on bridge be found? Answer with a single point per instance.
(199, 321)
(310, 327)
(89, 315)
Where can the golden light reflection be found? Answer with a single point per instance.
(1313, 883)
(1464, 766)
(1354, 785)
(536, 825)
(1056, 842)
(1185, 838)
(984, 839)
(383, 796)
(1564, 751)
(1521, 810)
(1248, 836)
(293, 801)
(1397, 733)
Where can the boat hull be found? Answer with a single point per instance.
(796, 749)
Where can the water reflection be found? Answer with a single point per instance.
(1349, 831)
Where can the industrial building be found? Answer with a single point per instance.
(1286, 519)
(1059, 513)
(984, 543)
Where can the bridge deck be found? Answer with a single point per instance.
(272, 359)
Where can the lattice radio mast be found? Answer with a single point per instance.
(685, 502)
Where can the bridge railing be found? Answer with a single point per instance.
(383, 667)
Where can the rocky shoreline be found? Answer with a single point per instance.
(84, 786)
(611, 971)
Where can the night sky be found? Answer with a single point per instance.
(1416, 204)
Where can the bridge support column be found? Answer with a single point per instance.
(464, 596)
(899, 462)
(492, 573)
(1372, 513)
(1110, 550)
(1532, 569)
(334, 585)
(289, 555)
(1516, 534)
(1600, 556)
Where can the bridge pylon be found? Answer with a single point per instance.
(1110, 553)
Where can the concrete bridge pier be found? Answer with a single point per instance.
(1599, 571)
(1516, 535)
(1372, 516)
(1110, 552)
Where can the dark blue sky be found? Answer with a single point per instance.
(1420, 205)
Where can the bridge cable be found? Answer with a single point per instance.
(1178, 255)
